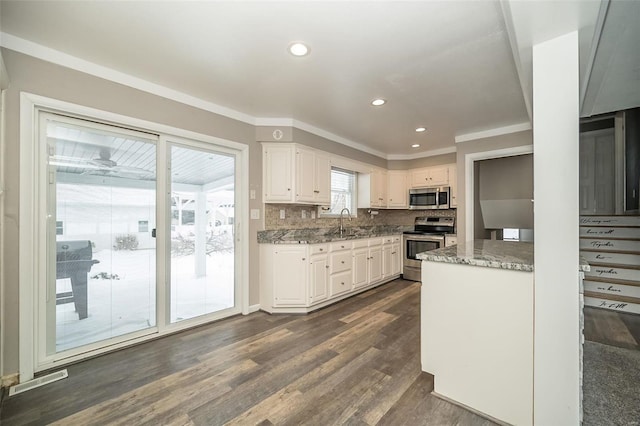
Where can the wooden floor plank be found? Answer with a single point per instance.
(355, 362)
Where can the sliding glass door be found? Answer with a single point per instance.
(140, 236)
(202, 232)
(102, 204)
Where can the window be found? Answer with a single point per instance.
(59, 227)
(143, 226)
(343, 193)
(509, 234)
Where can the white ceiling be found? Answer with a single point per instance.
(448, 66)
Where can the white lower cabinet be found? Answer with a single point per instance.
(360, 267)
(375, 261)
(304, 277)
(391, 260)
(291, 288)
(340, 283)
(319, 277)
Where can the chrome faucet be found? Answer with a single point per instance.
(342, 218)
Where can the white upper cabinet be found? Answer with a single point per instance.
(322, 180)
(305, 174)
(277, 173)
(397, 189)
(430, 176)
(295, 174)
(372, 189)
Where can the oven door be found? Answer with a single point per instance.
(414, 244)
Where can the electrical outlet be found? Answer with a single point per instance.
(304, 214)
(313, 214)
(252, 194)
(255, 213)
(282, 214)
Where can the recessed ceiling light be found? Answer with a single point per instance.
(378, 102)
(415, 145)
(420, 129)
(298, 49)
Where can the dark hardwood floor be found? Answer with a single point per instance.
(356, 362)
(612, 328)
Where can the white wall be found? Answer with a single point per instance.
(555, 158)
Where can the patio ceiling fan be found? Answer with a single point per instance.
(103, 165)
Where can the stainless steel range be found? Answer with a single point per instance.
(428, 234)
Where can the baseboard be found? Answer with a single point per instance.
(254, 308)
(10, 380)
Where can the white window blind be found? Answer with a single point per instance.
(343, 188)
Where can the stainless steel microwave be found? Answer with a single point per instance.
(429, 198)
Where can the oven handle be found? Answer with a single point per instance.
(438, 238)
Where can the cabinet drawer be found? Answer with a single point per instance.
(361, 243)
(340, 283)
(341, 261)
(375, 241)
(340, 245)
(318, 249)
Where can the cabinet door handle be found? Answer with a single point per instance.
(317, 192)
(304, 258)
(342, 283)
(321, 249)
(327, 266)
(288, 189)
(342, 262)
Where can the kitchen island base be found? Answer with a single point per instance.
(477, 338)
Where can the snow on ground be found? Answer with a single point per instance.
(128, 304)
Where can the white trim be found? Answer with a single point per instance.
(275, 121)
(597, 34)
(424, 154)
(31, 263)
(339, 139)
(515, 52)
(4, 76)
(27, 251)
(254, 308)
(469, 159)
(498, 131)
(3, 123)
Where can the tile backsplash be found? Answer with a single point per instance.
(293, 217)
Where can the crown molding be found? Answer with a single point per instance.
(498, 131)
(424, 154)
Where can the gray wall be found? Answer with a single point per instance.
(506, 178)
(482, 145)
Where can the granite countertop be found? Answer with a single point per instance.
(325, 235)
(512, 255)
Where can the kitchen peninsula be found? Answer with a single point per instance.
(477, 334)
